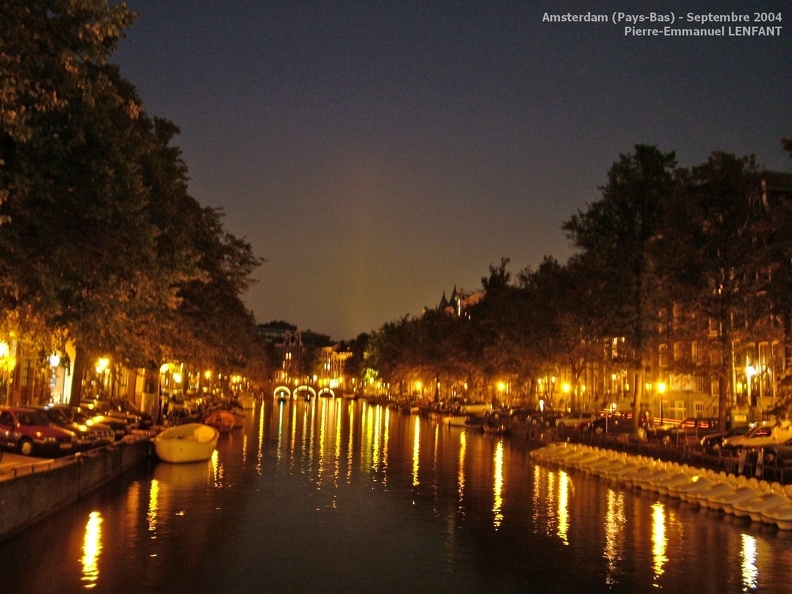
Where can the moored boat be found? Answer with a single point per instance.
(454, 420)
(191, 442)
(222, 420)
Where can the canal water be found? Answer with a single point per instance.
(343, 496)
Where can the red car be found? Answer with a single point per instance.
(29, 431)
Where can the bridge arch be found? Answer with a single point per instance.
(308, 391)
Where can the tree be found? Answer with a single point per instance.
(102, 244)
(716, 241)
(616, 235)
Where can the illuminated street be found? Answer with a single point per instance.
(339, 495)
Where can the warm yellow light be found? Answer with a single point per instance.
(418, 385)
(567, 388)
(208, 374)
(54, 360)
(5, 351)
(501, 386)
(661, 387)
(750, 371)
(102, 364)
(177, 377)
(164, 368)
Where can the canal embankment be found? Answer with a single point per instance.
(32, 491)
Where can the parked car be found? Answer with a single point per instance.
(29, 431)
(779, 454)
(145, 420)
(734, 444)
(715, 441)
(86, 437)
(119, 425)
(690, 431)
(134, 419)
(576, 420)
(617, 422)
(103, 433)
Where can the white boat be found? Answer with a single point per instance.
(454, 420)
(754, 508)
(191, 442)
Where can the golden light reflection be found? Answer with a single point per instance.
(614, 523)
(376, 440)
(461, 474)
(337, 457)
(293, 441)
(659, 541)
(260, 449)
(550, 502)
(322, 437)
(217, 470)
(750, 573)
(151, 516)
(563, 507)
(92, 547)
(386, 442)
(416, 450)
(350, 449)
(497, 506)
(536, 496)
(280, 430)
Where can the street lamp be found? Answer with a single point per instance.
(750, 372)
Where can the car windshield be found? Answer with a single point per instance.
(32, 418)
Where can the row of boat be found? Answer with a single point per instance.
(743, 497)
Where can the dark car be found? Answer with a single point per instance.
(734, 443)
(136, 418)
(86, 437)
(102, 433)
(120, 426)
(617, 422)
(779, 454)
(29, 431)
(715, 441)
(576, 420)
(690, 431)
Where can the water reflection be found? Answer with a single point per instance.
(341, 500)
(416, 450)
(92, 547)
(563, 507)
(461, 472)
(750, 573)
(497, 506)
(153, 507)
(659, 541)
(614, 524)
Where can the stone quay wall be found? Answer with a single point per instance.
(33, 492)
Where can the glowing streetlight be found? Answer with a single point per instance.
(750, 372)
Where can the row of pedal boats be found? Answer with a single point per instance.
(741, 496)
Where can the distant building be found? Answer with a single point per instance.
(460, 301)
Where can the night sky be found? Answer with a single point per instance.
(378, 153)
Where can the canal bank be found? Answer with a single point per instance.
(31, 492)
